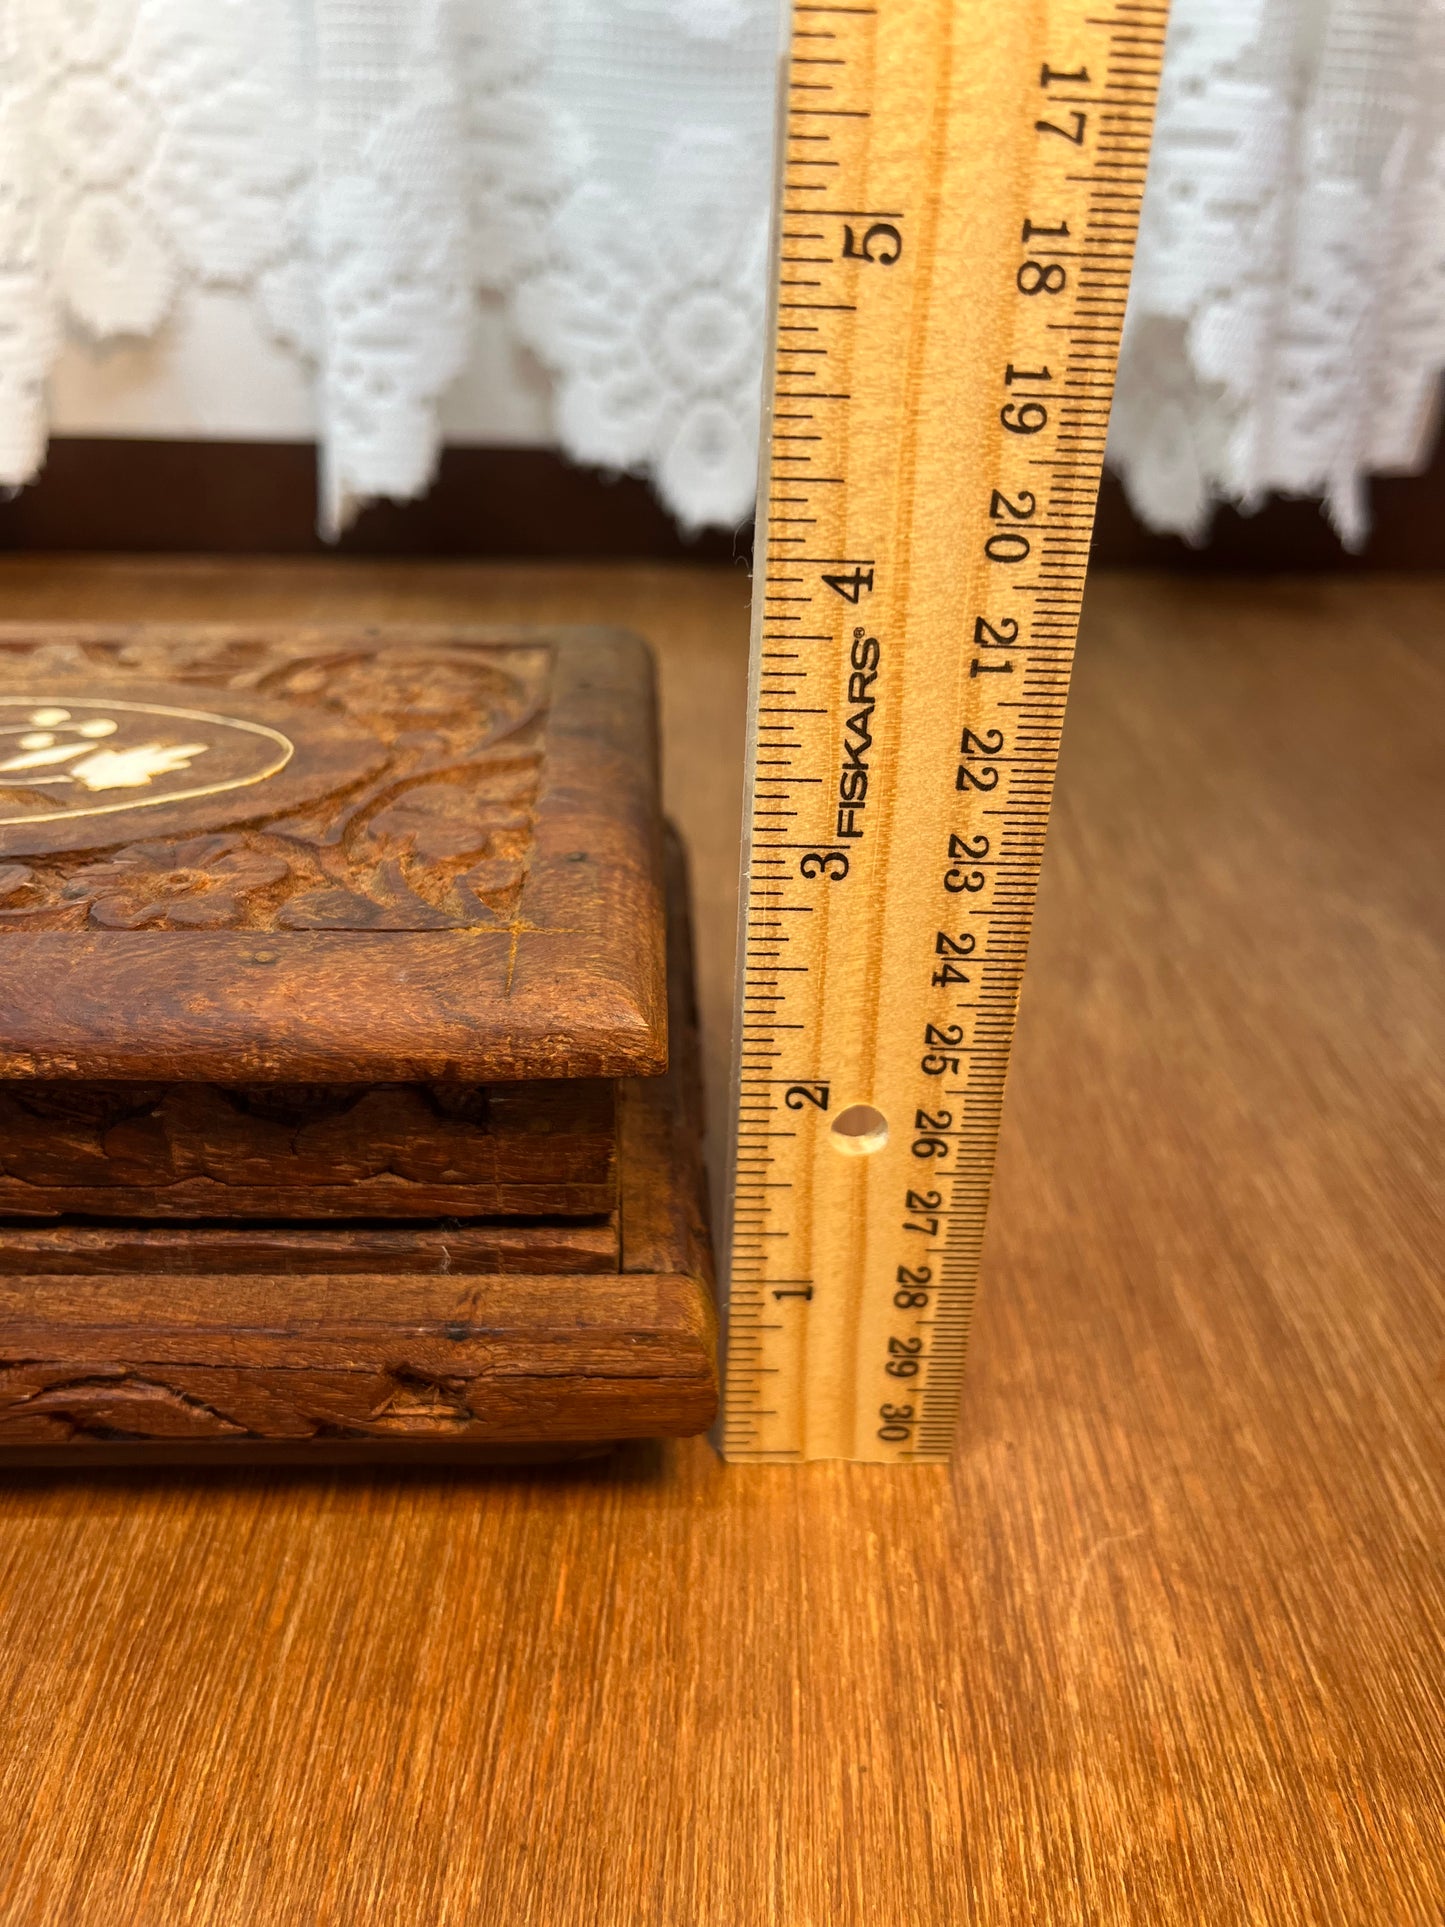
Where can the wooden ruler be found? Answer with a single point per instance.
(960, 196)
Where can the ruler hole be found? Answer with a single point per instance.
(860, 1130)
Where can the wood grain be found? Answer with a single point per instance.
(143, 1354)
(111, 1364)
(456, 875)
(318, 1151)
(125, 495)
(1162, 1646)
(904, 754)
(73, 1250)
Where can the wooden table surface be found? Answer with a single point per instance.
(1162, 1646)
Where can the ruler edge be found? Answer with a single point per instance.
(782, 63)
(788, 17)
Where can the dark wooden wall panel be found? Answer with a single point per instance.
(259, 498)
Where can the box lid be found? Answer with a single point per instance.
(328, 854)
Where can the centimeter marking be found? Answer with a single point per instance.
(960, 191)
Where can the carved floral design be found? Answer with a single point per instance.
(436, 822)
(430, 690)
(28, 901)
(56, 1404)
(440, 838)
(200, 883)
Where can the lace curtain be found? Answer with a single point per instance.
(1286, 327)
(365, 173)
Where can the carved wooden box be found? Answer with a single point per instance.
(334, 990)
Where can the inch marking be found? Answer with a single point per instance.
(968, 260)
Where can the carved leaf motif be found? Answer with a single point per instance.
(390, 904)
(466, 695)
(197, 883)
(494, 882)
(439, 821)
(143, 1145)
(137, 1406)
(40, 1402)
(439, 839)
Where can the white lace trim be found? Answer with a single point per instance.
(363, 172)
(628, 225)
(1286, 325)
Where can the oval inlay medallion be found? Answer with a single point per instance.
(77, 756)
